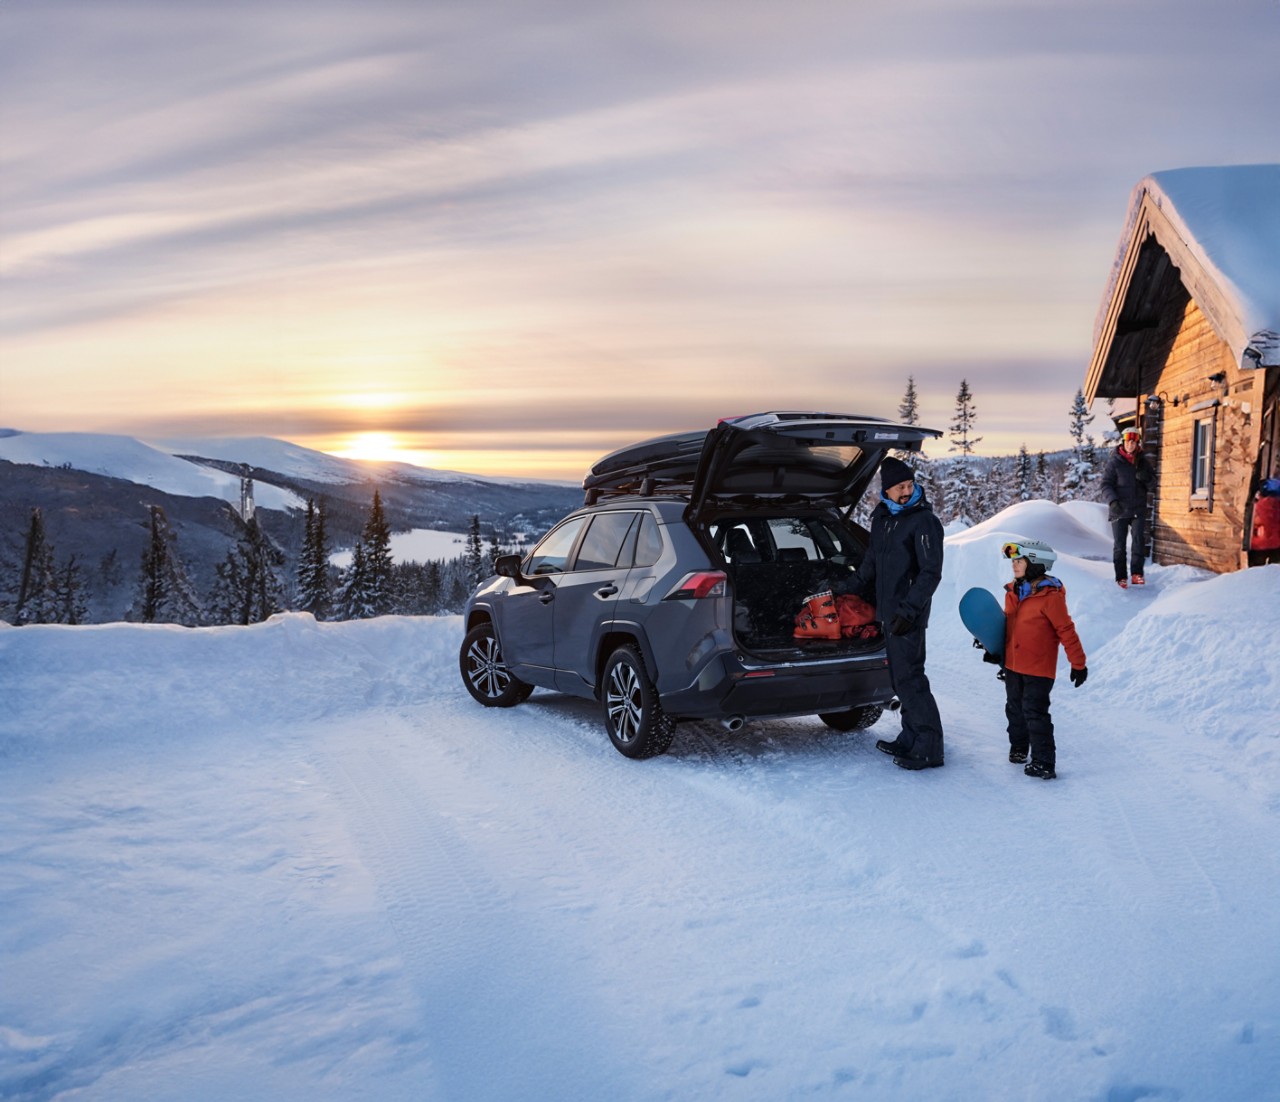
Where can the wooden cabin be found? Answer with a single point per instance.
(1189, 328)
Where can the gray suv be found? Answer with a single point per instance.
(672, 593)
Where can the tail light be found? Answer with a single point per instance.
(699, 584)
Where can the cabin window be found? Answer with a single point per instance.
(1202, 464)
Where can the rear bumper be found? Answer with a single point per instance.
(728, 686)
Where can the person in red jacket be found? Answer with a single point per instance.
(1036, 621)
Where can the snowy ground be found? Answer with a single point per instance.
(296, 861)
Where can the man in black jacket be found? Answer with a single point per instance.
(1124, 488)
(898, 574)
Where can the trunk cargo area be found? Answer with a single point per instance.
(766, 598)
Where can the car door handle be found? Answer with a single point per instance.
(607, 590)
(547, 598)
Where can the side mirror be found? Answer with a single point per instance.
(507, 566)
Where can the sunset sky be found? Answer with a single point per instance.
(506, 236)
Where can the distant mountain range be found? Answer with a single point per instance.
(94, 492)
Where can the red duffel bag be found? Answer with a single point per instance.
(857, 617)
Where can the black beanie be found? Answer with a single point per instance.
(893, 471)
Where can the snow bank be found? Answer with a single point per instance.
(107, 678)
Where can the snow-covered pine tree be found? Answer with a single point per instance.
(433, 589)
(352, 597)
(315, 592)
(248, 588)
(909, 407)
(1041, 482)
(474, 558)
(1076, 483)
(1023, 476)
(164, 592)
(909, 414)
(37, 601)
(379, 588)
(68, 594)
(960, 491)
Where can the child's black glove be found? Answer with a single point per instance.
(1078, 676)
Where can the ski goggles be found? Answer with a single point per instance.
(1012, 551)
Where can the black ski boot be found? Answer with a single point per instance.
(1017, 754)
(1040, 770)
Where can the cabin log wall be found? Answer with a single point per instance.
(1203, 534)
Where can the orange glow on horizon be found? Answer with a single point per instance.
(391, 447)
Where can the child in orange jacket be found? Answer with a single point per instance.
(1036, 620)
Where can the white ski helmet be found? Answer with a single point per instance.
(1036, 552)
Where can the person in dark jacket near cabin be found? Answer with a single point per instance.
(1036, 621)
(1125, 483)
(898, 574)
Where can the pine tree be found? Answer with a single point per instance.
(352, 598)
(1080, 469)
(475, 569)
(378, 585)
(963, 422)
(1041, 483)
(960, 489)
(315, 593)
(68, 592)
(909, 414)
(1023, 476)
(909, 407)
(164, 591)
(36, 591)
(248, 588)
(433, 590)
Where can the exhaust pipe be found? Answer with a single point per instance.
(895, 704)
(732, 723)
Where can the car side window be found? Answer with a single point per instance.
(648, 542)
(604, 541)
(550, 556)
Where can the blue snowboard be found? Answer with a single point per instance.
(983, 615)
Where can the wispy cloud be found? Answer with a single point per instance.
(556, 213)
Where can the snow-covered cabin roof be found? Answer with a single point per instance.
(1217, 232)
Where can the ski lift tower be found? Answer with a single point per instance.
(246, 494)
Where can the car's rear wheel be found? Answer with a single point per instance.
(633, 715)
(856, 719)
(485, 673)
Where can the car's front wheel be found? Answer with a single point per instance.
(633, 715)
(484, 672)
(856, 719)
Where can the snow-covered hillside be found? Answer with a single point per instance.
(297, 861)
(295, 461)
(130, 459)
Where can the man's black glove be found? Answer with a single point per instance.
(987, 656)
(1078, 676)
(900, 624)
(1114, 510)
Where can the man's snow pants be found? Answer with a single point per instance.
(921, 724)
